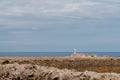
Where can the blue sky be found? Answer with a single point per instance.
(59, 25)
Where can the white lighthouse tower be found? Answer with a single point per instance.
(75, 51)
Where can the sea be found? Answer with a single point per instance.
(112, 54)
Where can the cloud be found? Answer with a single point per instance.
(32, 24)
(63, 8)
(34, 14)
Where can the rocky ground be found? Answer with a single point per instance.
(34, 72)
(100, 65)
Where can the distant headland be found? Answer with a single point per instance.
(84, 55)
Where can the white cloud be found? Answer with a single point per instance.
(65, 8)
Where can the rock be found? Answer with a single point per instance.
(34, 72)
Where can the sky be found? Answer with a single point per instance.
(59, 25)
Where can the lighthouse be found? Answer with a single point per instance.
(75, 51)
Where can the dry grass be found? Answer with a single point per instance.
(79, 64)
